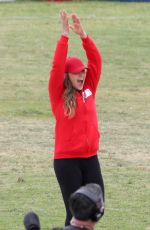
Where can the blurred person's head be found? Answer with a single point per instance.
(87, 207)
(87, 203)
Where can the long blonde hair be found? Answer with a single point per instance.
(69, 97)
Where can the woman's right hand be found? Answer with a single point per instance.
(64, 22)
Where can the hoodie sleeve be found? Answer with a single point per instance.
(56, 79)
(94, 64)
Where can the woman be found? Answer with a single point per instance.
(72, 88)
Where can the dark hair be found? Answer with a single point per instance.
(81, 207)
(69, 97)
(87, 203)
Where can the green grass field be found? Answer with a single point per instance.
(28, 34)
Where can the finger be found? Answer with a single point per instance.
(63, 13)
(60, 13)
(74, 17)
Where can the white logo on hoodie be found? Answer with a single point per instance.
(86, 93)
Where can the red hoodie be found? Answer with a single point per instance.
(76, 137)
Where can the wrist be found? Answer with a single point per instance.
(83, 35)
(65, 33)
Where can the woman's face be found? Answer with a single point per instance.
(78, 79)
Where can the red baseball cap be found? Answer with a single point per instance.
(74, 65)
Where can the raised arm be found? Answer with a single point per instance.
(94, 64)
(56, 80)
(92, 53)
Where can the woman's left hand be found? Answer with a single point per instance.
(77, 26)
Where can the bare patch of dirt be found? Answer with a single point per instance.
(25, 143)
(127, 142)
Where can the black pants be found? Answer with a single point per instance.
(72, 173)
